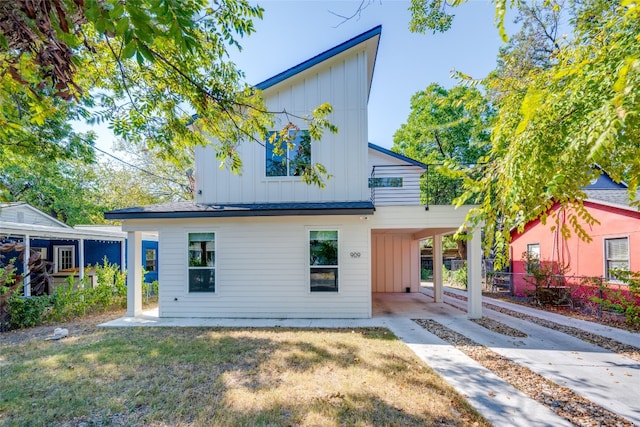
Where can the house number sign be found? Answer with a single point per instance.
(355, 254)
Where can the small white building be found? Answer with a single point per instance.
(264, 244)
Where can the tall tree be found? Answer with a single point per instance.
(145, 66)
(448, 130)
(66, 189)
(558, 118)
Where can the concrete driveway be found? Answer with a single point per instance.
(608, 379)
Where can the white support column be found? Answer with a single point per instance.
(474, 274)
(26, 282)
(134, 273)
(81, 260)
(437, 268)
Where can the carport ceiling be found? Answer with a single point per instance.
(417, 233)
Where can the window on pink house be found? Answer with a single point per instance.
(616, 253)
(533, 256)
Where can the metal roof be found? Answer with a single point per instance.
(370, 34)
(200, 210)
(397, 156)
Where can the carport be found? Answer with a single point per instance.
(396, 232)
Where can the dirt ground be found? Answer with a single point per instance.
(79, 326)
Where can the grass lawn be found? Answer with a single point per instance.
(204, 376)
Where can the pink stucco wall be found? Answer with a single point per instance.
(582, 258)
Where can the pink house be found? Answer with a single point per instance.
(615, 240)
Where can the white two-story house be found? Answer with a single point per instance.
(264, 244)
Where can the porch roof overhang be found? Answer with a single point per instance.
(200, 210)
(19, 229)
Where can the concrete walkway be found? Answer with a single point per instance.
(606, 378)
(610, 380)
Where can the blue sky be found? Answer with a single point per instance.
(294, 31)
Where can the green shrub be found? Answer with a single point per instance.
(150, 289)
(71, 300)
(625, 298)
(110, 275)
(426, 274)
(456, 277)
(27, 312)
(68, 302)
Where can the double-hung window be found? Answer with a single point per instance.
(323, 260)
(202, 262)
(290, 157)
(616, 256)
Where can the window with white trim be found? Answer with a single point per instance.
(64, 258)
(150, 260)
(616, 256)
(202, 262)
(323, 260)
(288, 158)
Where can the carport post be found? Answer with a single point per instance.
(474, 274)
(134, 273)
(437, 268)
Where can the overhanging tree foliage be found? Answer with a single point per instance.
(145, 66)
(449, 131)
(558, 118)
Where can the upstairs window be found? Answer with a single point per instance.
(292, 157)
(385, 182)
(616, 256)
(323, 260)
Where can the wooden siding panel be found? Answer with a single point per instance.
(262, 269)
(383, 166)
(396, 264)
(340, 82)
(25, 215)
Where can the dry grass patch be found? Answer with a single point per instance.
(199, 376)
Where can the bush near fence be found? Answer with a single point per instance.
(597, 296)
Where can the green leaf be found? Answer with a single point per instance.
(117, 11)
(129, 49)
(122, 26)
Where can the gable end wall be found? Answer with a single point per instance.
(342, 82)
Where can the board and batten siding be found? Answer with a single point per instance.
(395, 262)
(262, 269)
(384, 166)
(342, 82)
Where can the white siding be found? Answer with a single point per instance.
(342, 82)
(384, 166)
(262, 269)
(25, 214)
(396, 262)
